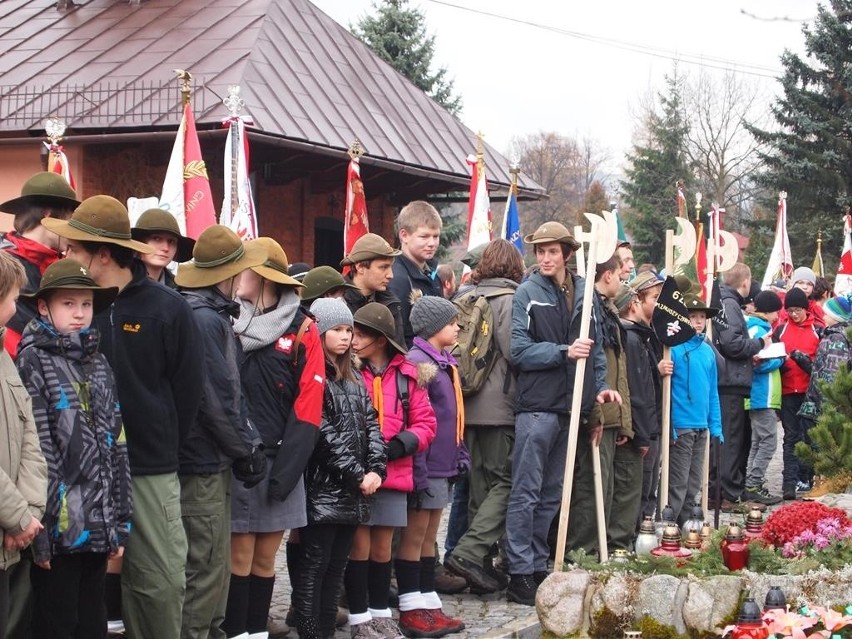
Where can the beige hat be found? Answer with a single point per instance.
(100, 218)
(218, 255)
(275, 267)
(160, 221)
(45, 189)
(552, 232)
(369, 247)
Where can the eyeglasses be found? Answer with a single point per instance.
(795, 310)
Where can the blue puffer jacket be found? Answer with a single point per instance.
(766, 382)
(695, 396)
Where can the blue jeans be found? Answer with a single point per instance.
(541, 443)
(457, 524)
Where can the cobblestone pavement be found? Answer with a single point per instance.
(491, 616)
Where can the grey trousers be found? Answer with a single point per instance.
(764, 439)
(686, 469)
(541, 441)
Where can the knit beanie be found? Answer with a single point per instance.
(803, 273)
(430, 314)
(767, 302)
(839, 308)
(796, 298)
(331, 312)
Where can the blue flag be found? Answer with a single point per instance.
(512, 223)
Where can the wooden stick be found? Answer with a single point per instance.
(603, 551)
(708, 293)
(576, 405)
(667, 396)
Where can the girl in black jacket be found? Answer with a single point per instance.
(347, 466)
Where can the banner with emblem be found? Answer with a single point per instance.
(670, 320)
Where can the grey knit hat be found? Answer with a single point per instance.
(331, 312)
(430, 314)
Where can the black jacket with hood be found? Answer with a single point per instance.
(735, 349)
(646, 391)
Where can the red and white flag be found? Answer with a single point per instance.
(186, 189)
(238, 212)
(355, 222)
(479, 205)
(57, 162)
(780, 260)
(843, 281)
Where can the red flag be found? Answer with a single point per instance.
(843, 281)
(701, 259)
(238, 207)
(355, 222)
(479, 205)
(197, 198)
(780, 261)
(681, 201)
(57, 162)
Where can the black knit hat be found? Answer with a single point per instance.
(430, 314)
(767, 302)
(796, 298)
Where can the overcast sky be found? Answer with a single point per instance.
(581, 68)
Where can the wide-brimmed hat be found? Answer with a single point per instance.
(474, 255)
(369, 247)
(160, 221)
(552, 232)
(218, 255)
(645, 280)
(100, 218)
(322, 279)
(379, 318)
(70, 274)
(45, 189)
(275, 268)
(693, 302)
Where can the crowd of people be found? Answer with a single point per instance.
(165, 431)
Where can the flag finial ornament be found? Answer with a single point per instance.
(355, 150)
(233, 102)
(698, 197)
(55, 129)
(782, 195)
(185, 78)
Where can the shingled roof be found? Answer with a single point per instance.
(107, 66)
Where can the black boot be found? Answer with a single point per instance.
(307, 627)
(238, 601)
(259, 599)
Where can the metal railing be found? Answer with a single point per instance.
(104, 104)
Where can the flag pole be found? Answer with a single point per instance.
(514, 169)
(185, 78)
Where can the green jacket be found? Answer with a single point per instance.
(611, 332)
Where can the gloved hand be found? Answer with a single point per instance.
(462, 468)
(396, 449)
(251, 469)
(802, 360)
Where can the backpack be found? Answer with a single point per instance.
(476, 349)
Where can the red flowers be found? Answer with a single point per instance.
(791, 520)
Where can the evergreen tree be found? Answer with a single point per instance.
(655, 168)
(397, 34)
(811, 151)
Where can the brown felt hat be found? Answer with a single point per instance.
(46, 189)
(645, 280)
(70, 274)
(160, 221)
(100, 218)
(218, 255)
(322, 279)
(369, 247)
(379, 318)
(552, 232)
(276, 266)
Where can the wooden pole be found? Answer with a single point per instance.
(665, 435)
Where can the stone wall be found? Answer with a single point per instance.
(567, 602)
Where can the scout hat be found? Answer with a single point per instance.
(218, 255)
(369, 247)
(377, 317)
(693, 302)
(45, 189)
(275, 267)
(70, 274)
(100, 218)
(645, 280)
(322, 279)
(552, 232)
(626, 294)
(474, 255)
(160, 221)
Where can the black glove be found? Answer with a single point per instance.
(251, 469)
(802, 360)
(396, 449)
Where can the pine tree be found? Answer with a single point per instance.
(655, 168)
(830, 452)
(811, 156)
(397, 34)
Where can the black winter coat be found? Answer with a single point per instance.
(646, 395)
(735, 349)
(350, 445)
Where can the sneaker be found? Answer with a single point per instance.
(386, 627)
(522, 590)
(451, 623)
(540, 575)
(447, 583)
(420, 623)
(364, 631)
(760, 495)
(473, 573)
(803, 486)
(788, 492)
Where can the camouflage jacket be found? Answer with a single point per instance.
(80, 429)
(833, 352)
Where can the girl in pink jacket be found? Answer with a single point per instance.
(408, 425)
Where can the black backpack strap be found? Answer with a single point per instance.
(402, 394)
